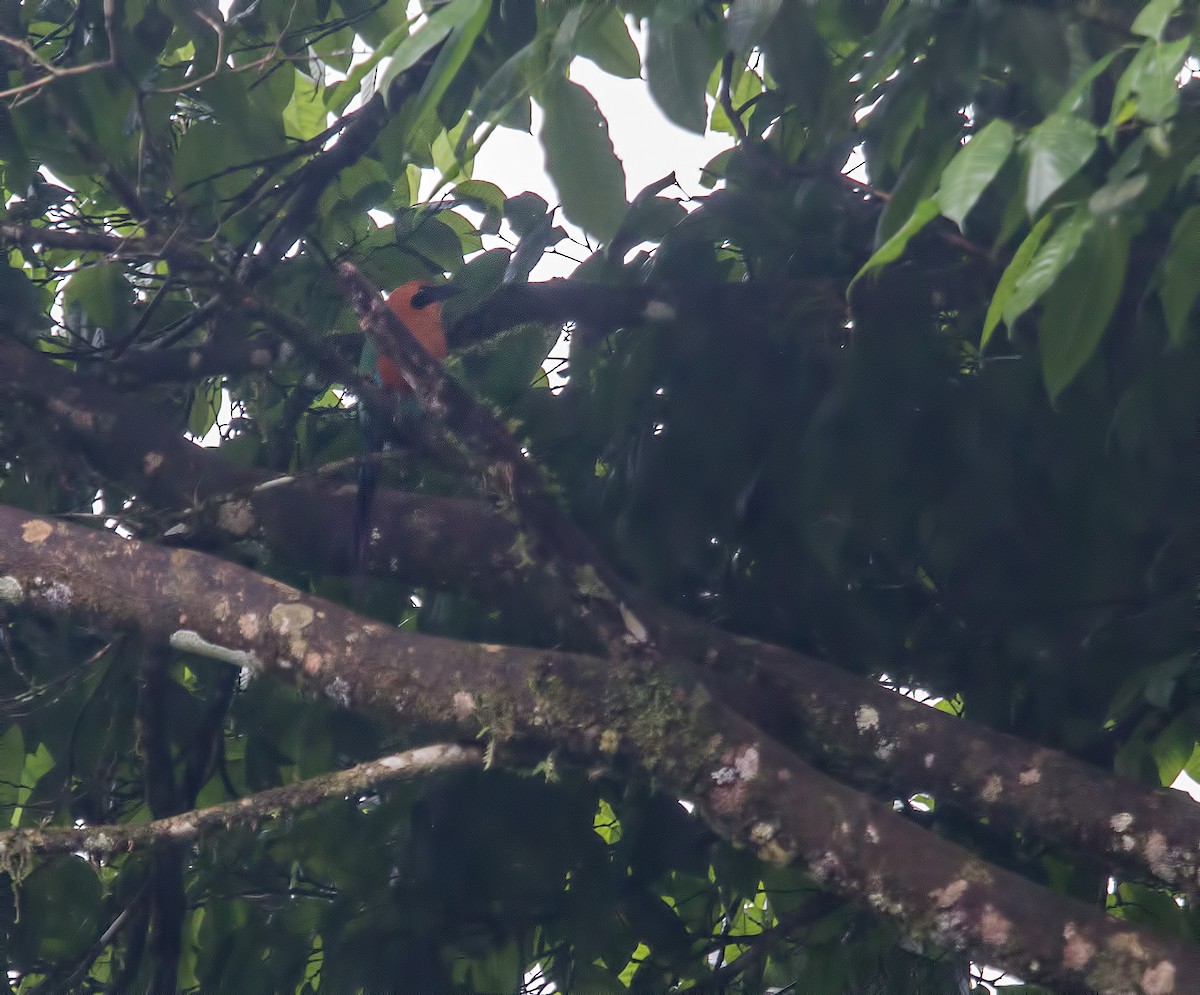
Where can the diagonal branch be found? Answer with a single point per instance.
(309, 182)
(852, 727)
(750, 789)
(601, 592)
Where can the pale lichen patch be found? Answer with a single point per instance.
(866, 718)
(994, 927)
(237, 517)
(993, 788)
(338, 691)
(946, 897)
(11, 591)
(248, 625)
(36, 531)
(290, 621)
(827, 867)
(1158, 855)
(778, 854)
(658, 310)
(151, 463)
(463, 705)
(52, 593)
(1159, 979)
(1077, 951)
(1121, 822)
(1029, 777)
(746, 763)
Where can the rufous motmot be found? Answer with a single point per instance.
(419, 306)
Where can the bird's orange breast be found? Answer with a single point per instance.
(426, 325)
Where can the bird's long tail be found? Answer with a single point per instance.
(368, 481)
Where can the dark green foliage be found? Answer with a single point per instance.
(1008, 519)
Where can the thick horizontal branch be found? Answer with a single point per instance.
(432, 541)
(852, 727)
(596, 309)
(753, 791)
(18, 846)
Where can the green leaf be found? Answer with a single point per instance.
(580, 158)
(1173, 748)
(12, 762)
(103, 295)
(1080, 305)
(973, 167)
(1192, 767)
(1072, 99)
(1045, 267)
(1153, 78)
(205, 163)
(748, 86)
(748, 21)
(1055, 151)
(467, 234)
(404, 47)
(469, 19)
(37, 765)
(336, 49)
(648, 220)
(796, 58)
(1008, 279)
(206, 403)
(480, 194)
(894, 247)
(525, 212)
(1113, 196)
(603, 38)
(508, 86)
(304, 116)
(60, 905)
(484, 197)
(1180, 265)
(20, 314)
(679, 59)
(1153, 18)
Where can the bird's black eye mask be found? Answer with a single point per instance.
(431, 295)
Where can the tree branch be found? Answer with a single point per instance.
(601, 593)
(749, 788)
(18, 846)
(850, 726)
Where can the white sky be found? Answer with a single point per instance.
(649, 146)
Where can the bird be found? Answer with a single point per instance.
(418, 304)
